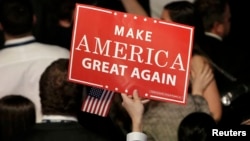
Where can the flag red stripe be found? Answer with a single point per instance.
(105, 106)
(98, 106)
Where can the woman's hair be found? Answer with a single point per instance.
(17, 116)
(181, 12)
(196, 126)
(184, 12)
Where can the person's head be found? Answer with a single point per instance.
(61, 12)
(183, 12)
(17, 116)
(215, 15)
(16, 17)
(66, 12)
(58, 95)
(196, 126)
(179, 11)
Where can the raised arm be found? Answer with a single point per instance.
(134, 7)
(135, 108)
(204, 84)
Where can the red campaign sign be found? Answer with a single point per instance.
(121, 52)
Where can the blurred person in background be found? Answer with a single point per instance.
(23, 58)
(17, 117)
(61, 103)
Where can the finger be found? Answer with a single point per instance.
(209, 73)
(136, 95)
(207, 69)
(201, 68)
(210, 77)
(144, 101)
(192, 74)
(124, 96)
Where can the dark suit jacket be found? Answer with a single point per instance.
(218, 52)
(72, 131)
(227, 58)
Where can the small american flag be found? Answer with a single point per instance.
(98, 101)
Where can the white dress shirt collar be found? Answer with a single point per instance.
(19, 40)
(58, 118)
(213, 35)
